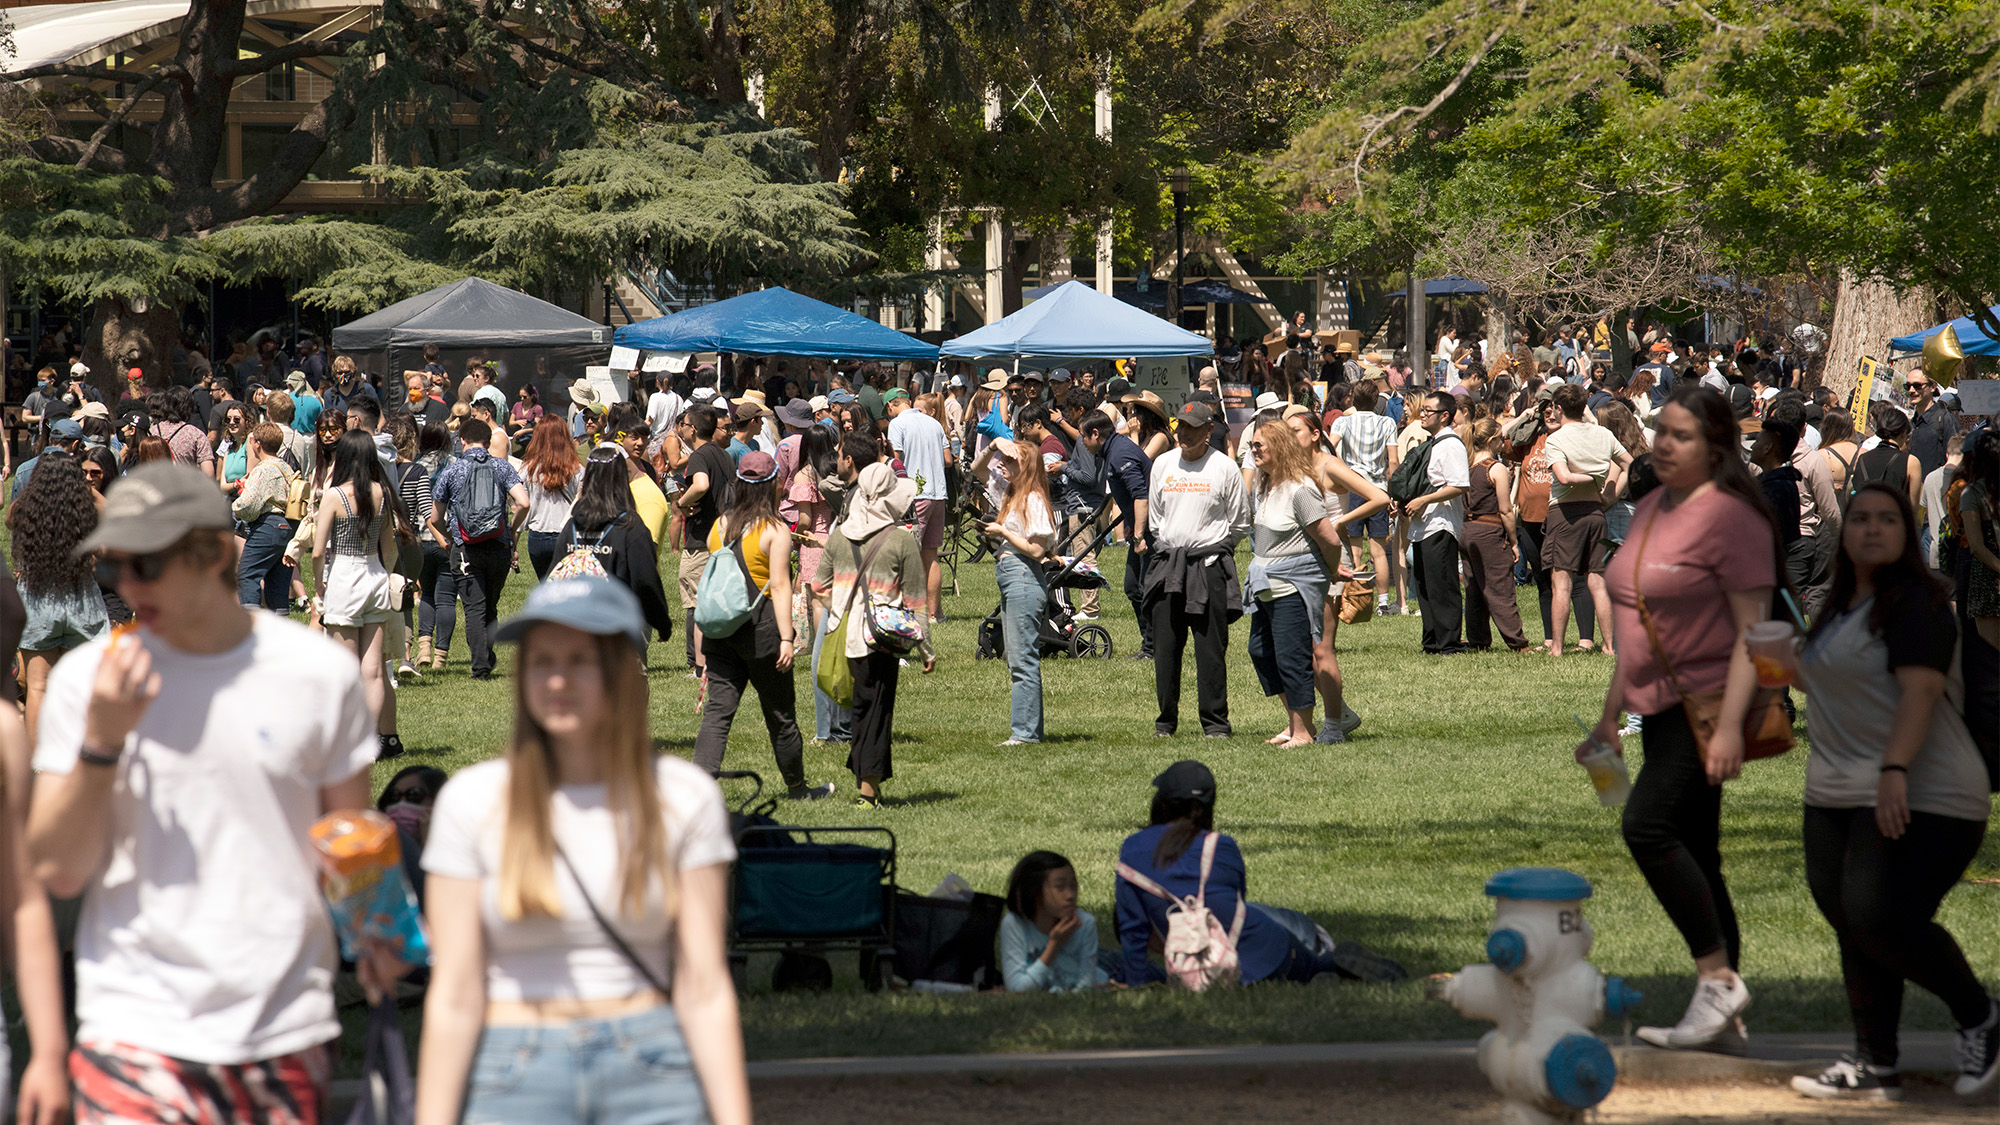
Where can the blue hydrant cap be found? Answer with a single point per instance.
(1621, 999)
(1539, 884)
(1580, 1071)
(1507, 949)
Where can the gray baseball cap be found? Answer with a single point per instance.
(152, 507)
(590, 605)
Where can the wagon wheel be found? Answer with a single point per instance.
(1091, 641)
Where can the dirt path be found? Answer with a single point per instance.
(1391, 1095)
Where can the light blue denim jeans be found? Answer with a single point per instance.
(1024, 601)
(629, 1071)
(830, 719)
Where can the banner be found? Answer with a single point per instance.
(1238, 407)
(1864, 388)
(1166, 376)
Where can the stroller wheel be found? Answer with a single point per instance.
(1092, 641)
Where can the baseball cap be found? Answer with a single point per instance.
(1035, 377)
(78, 371)
(818, 403)
(1196, 414)
(135, 374)
(134, 418)
(1059, 375)
(756, 467)
(67, 429)
(1117, 386)
(591, 605)
(894, 395)
(1661, 347)
(93, 410)
(840, 395)
(957, 381)
(1189, 779)
(1295, 411)
(152, 507)
(1740, 398)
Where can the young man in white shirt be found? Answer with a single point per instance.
(1366, 441)
(1436, 518)
(182, 765)
(663, 408)
(1581, 455)
(923, 446)
(1198, 511)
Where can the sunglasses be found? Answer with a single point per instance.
(93, 473)
(1256, 447)
(145, 568)
(414, 794)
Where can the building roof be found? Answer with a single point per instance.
(53, 33)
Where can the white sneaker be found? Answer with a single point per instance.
(1979, 1056)
(1349, 721)
(1850, 1079)
(1086, 616)
(1632, 727)
(1710, 1014)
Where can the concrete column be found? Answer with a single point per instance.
(996, 267)
(1104, 224)
(1414, 327)
(934, 261)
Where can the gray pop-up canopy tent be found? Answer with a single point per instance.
(521, 338)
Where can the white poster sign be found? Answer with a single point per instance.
(623, 359)
(609, 388)
(1979, 396)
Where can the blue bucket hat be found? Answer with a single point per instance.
(590, 605)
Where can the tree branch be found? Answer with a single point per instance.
(1366, 148)
(279, 56)
(65, 150)
(64, 70)
(117, 116)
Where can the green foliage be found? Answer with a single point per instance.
(84, 235)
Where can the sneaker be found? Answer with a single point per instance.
(1979, 1056)
(864, 801)
(391, 747)
(1015, 742)
(1715, 1005)
(812, 793)
(1086, 617)
(1734, 1040)
(1386, 610)
(1330, 733)
(1631, 729)
(1852, 1080)
(407, 671)
(1349, 721)
(1140, 655)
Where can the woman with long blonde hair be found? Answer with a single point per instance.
(1335, 479)
(577, 897)
(1026, 530)
(1286, 584)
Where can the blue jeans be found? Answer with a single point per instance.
(544, 548)
(629, 1071)
(831, 721)
(1281, 647)
(262, 578)
(1024, 601)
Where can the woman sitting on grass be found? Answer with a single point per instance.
(1272, 943)
(1046, 943)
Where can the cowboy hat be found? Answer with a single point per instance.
(1149, 401)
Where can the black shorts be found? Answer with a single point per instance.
(1570, 537)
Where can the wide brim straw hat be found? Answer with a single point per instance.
(1149, 401)
(880, 498)
(582, 393)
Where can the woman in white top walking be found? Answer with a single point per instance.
(577, 896)
(1026, 531)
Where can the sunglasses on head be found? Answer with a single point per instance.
(145, 568)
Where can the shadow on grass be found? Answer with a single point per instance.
(931, 797)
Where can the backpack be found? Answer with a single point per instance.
(1884, 463)
(722, 601)
(481, 506)
(1199, 952)
(580, 561)
(1412, 477)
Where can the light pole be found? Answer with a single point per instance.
(1177, 180)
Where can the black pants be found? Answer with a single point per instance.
(1172, 626)
(1673, 827)
(749, 658)
(1881, 897)
(1582, 609)
(874, 715)
(1438, 595)
(1809, 565)
(1135, 585)
(480, 572)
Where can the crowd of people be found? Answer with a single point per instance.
(576, 886)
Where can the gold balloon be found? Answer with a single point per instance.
(1942, 355)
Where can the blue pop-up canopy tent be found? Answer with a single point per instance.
(1077, 322)
(774, 322)
(1972, 339)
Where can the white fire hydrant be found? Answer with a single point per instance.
(1543, 1058)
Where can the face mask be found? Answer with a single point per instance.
(409, 817)
(416, 394)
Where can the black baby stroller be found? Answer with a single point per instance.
(1060, 633)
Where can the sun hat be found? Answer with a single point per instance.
(1269, 402)
(1149, 401)
(996, 380)
(598, 606)
(1295, 411)
(757, 467)
(880, 499)
(1187, 779)
(582, 393)
(1196, 414)
(797, 413)
(152, 507)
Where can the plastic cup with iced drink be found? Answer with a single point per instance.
(1606, 767)
(1774, 651)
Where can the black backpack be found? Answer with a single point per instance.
(481, 506)
(1412, 477)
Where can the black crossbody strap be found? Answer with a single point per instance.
(611, 932)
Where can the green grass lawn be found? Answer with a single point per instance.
(1462, 768)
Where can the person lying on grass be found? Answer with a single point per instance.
(1047, 944)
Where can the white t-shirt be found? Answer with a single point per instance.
(1584, 447)
(1448, 467)
(662, 411)
(205, 936)
(570, 958)
(1197, 504)
(922, 443)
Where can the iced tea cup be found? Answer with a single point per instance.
(1774, 652)
(1608, 776)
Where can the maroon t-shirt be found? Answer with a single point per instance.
(1696, 553)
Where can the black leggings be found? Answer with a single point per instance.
(1673, 826)
(1881, 897)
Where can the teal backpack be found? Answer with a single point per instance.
(722, 600)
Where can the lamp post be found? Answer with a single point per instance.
(1177, 180)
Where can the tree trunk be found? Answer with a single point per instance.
(1498, 326)
(1866, 315)
(120, 339)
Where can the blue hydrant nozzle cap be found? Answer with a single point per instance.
(1580, 1071)
(1621, 999)
(1507, 949)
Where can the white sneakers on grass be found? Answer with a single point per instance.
(1711, 1017)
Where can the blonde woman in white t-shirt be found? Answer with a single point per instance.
(1025, 531)
(577, 896)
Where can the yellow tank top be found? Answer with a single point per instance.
(753, 551)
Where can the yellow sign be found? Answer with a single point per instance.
(1864, 386)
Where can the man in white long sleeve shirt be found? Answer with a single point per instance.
(1198, 511)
